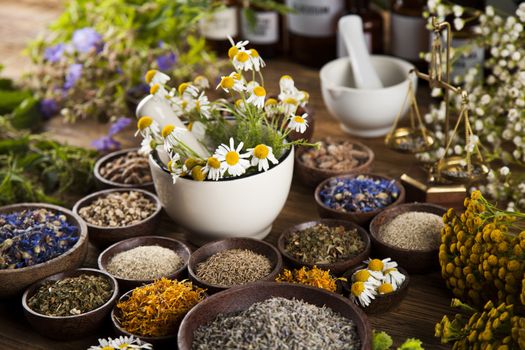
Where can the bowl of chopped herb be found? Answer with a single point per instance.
(329, 244)
(38, 240)
(141, 260)
(71, 304)
(268, 315)
(119, 213)
(231, 262)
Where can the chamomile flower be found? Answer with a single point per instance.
(236, 47)
(394, 277)
(156, 77)
(147, 126)
(188, 90)
(213, 168)
(201, 82)
(232, 82)
(121, 343)
(364, 275)
(146, 145)
(158, 91)
(257, 94)
(385, 288)
(171, 135)
(261, 154)
(287, 85)
(240, 105)
(377, 267)
(198, 130)
(203, 106)
(231, 158)
(289, 106)
(271, 107)
(242, 61)
(257, 60)
(363, 292)
(298, 123)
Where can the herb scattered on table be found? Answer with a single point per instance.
(31, 237)
(382, 341)
(334, 155)
(311, 277)
(414, 231)
(71, 295)
(130, 169)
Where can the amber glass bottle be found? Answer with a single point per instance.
(372, 26)
(312, 30)
(409, 36)
(220, 25)
(265, 34)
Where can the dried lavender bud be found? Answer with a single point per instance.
(131, 168)
(413, 230)
(335, 155)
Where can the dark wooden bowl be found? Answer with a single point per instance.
(336, 268)
(312, 176)
(242, 297)
(14, 281)
(69, 327)
(381, 303)
(357, 217)
(255, 245)
(414, 261)
(127, 284)
(104, 183)
(103, 236)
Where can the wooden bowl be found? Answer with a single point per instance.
(127, 284)
(105, 183)
(414, 261)
(242, 297)
(360, 218)
(336, 268)
(381, 303)
(312, 176)
(104, 236)
(69, 327)
(255, 245)
(14, 281)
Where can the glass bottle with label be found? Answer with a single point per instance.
(312, 30)
(372, 26)
(264, 33)
(219, 26)
(409, 35)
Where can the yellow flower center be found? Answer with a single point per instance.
(214, 163)
(357, 288)
(298, 119)
(227, 82)
(385, 288)
(197, 106)
(149, 75)
(271, 102)
(236, 76)
(261, 151)
(238, 103)
(290, 101)
(306, 95)
(184, 104)
(182, 87)
(254, 53)
(242, 57)
(190, 126)
(200, 79)
(190, 163)
(123, 346)
(286, 77)
(153, 90)
(144, 122)
(362, 276)
(232, 158)
(108, 347)
(232, 52)
(388, 271)
(167, 130)
(375, 265)
(170, 165)
(197, 174)
(259, 91)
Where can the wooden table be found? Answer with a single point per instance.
(427, 299)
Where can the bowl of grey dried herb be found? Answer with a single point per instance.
(410, 234)
(117, 214)
(38, 240)
(232, 262)
(70, 304)
(125, 168)
(329, 244)
(141, 260)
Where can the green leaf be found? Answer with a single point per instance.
(9, 100)
(26, 115)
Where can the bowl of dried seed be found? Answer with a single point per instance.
(231, 262)
(329, 244)
(124, 169)
(117, 214)
(410, 234)
(335, 156)
(141, 260)
(71, 304)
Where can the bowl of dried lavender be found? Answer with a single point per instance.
(329, 244)
(38, 240)
(117, 214)
(124, 169)
(141, 260)
(231, 262)
(335, 156)
(267, 315)
(71, 304)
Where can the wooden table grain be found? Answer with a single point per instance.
(427, 299)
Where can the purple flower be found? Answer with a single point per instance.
(74, 73)
(86, 39)
(167, 61)
(106, 144)
(118, 126)
(54, 53)
(48, 108)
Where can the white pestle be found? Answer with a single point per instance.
(351, 31)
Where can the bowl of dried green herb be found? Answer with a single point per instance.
(231, 262)
(329, 244)
(268, 315)
(141, 260)
(119, 213)
(71, 304)
(38, 240)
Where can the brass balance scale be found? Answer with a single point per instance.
(446, 179)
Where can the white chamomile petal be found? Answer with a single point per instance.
(156, 77)
(363, 292)
(298, 123)
(394, 277)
